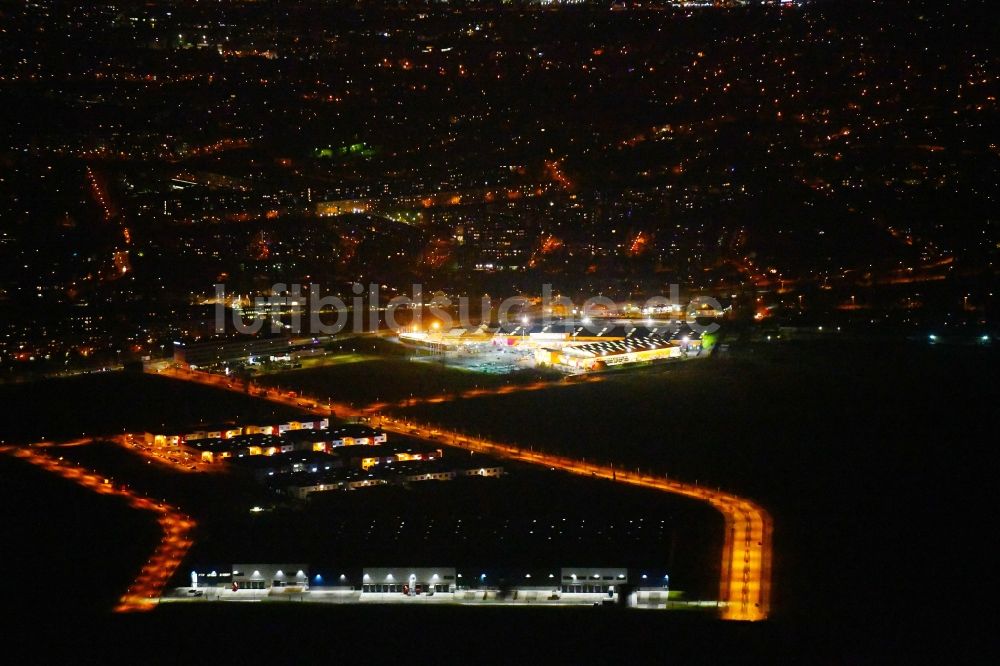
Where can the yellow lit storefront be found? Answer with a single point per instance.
(600, 355)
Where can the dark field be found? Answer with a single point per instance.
(529, 519)
(369, 381)
(112, 402)
(865, 455)
(65, 548)
(193, 633)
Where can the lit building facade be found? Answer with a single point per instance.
(198, 354)
(270, 576)
(411, 582)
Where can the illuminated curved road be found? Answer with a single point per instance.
(745, 580)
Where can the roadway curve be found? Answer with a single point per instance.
(745, 580)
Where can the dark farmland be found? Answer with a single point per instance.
(856, 450)
(113, 402)
(65, 548)
(387, 379)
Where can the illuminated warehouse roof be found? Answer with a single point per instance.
(615, 347)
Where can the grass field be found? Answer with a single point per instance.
(65, 548)
(107, 403)
(386, 380)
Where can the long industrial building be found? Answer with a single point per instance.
(570, 345)
(601, 355)
(579, 584)
(203, 353)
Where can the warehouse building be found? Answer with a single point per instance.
(568, 585)
(600, 355)
(592, 580)
(649, 345)
(270, 576)
(205, 353)
(407, 581)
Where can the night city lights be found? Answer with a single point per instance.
(601, 331)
